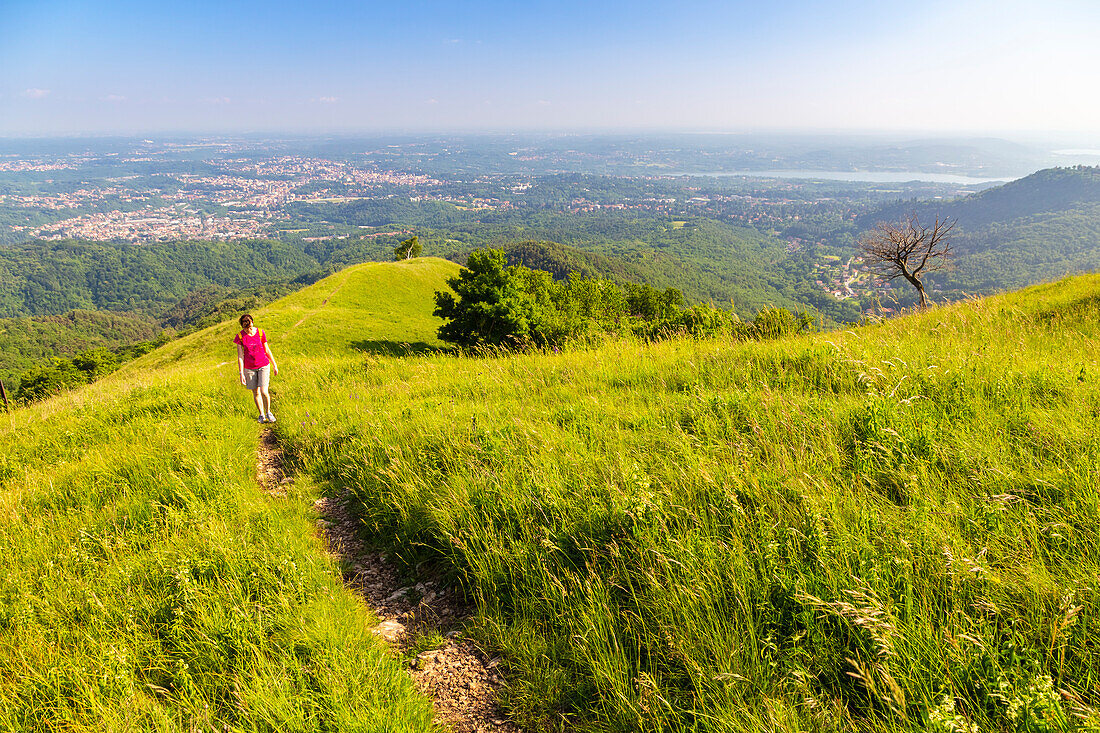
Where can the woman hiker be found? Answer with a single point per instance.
(256, 362)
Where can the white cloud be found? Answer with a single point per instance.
(114, 98)
(36, 93)
(433, 100)
(215, 100)
(328, 100)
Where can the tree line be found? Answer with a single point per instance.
(492, 304)
(58, 373)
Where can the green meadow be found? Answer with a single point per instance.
(892, 528)
(149, 584)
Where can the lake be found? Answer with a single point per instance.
(854, 176)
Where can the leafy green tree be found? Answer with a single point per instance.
(500, 305)
(542, 303)
(95, 363)
(489, 309)
(706, 320)
(651, 304)
(43, 380)
(408, 249)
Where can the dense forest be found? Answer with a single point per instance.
(42, 278)
(26, 341)
(49, 349)
(709, 261)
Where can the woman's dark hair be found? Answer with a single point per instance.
(246, 317)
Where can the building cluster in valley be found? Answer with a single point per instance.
(13, 164)
(236, 198)
(238, 195)
(156, 225)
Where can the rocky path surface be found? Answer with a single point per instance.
(460, 680)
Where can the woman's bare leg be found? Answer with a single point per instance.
(259, 402)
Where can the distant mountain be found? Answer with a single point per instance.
(629, 154)
(1044, 192)
(1034, 229)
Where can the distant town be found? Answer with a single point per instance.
(159, 192)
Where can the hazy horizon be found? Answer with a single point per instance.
(978, 69)
(1038, 138)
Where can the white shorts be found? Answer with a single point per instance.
(257, 378)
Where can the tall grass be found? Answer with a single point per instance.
(891, 528)
(148, 583)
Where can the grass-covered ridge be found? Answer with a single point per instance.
(892, 527)
(889, 528)
(149, 584)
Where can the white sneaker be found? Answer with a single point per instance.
(270, 417)
(261, 419)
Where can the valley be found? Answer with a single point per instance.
(140, 227)
(694, 367)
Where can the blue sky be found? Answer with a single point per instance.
(976, 66)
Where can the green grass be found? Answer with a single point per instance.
(889, 528)
(838, 532)
(150, 585)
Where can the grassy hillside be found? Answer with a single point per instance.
(881, 529)
(890, 528)
(149, 584)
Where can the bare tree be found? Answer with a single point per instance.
(908, 249)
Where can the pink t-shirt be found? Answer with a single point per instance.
(255, 356)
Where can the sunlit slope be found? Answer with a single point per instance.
(370, 308)
(148, 583)
(878, 529)
(887, 528)
(375, 307)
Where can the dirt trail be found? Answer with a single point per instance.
(458, 678)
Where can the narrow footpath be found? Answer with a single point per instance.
(459, 679)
